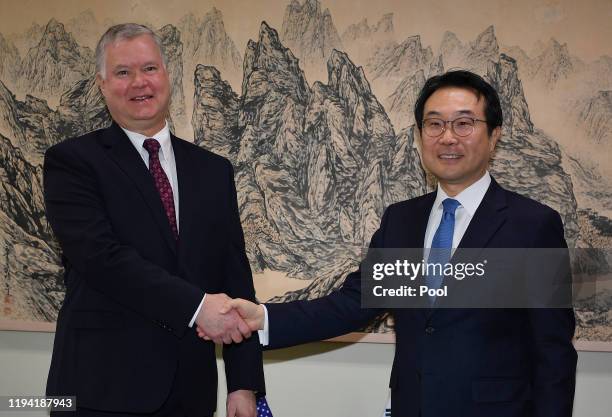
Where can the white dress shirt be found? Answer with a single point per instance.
(166, 159)
(168, 164)
(469, 200)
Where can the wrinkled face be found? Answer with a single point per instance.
(457, 162)
(136, 86)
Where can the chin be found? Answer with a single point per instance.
(150, 115)
(447, 175)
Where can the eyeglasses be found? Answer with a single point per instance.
(463, 126)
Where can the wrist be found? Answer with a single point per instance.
(261, 317)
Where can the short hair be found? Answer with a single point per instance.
(462, 79)
(121, 32)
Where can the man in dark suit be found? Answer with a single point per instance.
(151, 238)
(459, 362)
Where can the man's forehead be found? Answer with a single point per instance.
(456, 99)
(126, 47)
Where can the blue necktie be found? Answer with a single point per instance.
(442, 243)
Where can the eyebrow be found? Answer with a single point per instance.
(459, 112)
(146, 64)
(465, 112)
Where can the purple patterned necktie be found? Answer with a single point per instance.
(161, 182)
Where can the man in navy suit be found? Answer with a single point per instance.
(513, 362)
(151, 237)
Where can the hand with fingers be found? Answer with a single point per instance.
(241, 403)
(221, 326)
(251, 314)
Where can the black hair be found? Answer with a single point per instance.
(462, 79)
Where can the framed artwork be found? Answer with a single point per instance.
(311, 100)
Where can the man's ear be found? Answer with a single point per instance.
(101, 83)
(495, 135)
(418, 139)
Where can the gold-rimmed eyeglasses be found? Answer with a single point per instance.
(462, 126)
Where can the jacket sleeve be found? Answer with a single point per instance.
(76, 212)
(552, 329)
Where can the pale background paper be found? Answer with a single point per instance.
(317, 162)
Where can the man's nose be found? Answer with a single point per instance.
(448, 136)
(139, 79)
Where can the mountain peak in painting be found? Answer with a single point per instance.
(206, 42)
(270, 56)
(10, 62)
(85, 28)
(553, 64)
(309, 32)
(327, 148)
(27, 39)
(474, 56)
(486, 41)
(363, 32)
(342, 72)
(527, 160)
(215, 115)
(451, 49)
(481, 51)
(357, 31)
(361, 40)
(173, 47)
(385, 24)
(403, 59)
(56, 63)
(596, 116)
(9, 121)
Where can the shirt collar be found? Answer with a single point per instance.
(470, 198)
(163, 137)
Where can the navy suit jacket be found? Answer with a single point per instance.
(458, 362)
(122, 339)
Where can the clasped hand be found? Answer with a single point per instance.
(226, 320)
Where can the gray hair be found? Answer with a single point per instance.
(121, 32)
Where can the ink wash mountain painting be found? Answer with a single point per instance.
(312, 101)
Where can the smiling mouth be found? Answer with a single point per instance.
(450, 156)
(141, 99)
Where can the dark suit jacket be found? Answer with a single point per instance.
(459, 362)
(122, 336)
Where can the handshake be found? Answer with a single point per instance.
(226, 320)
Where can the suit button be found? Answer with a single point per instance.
(429, 330)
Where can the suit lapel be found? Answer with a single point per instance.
(421, 218)
(188, 187)
(488, 218)
(121, 150)
(412, 235)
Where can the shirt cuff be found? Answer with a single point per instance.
(264, 335)
(193, 319)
